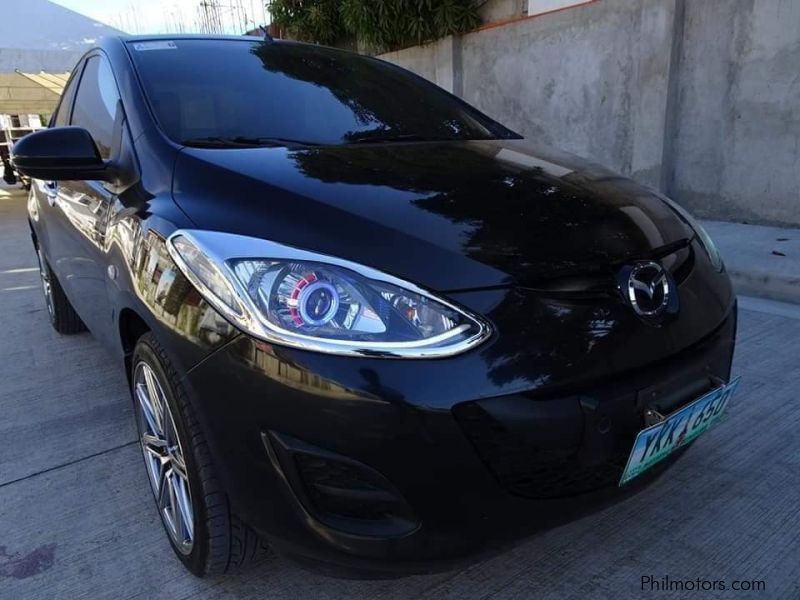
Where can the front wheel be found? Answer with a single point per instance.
(203, 532)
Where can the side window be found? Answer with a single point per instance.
(95, 105)
(61, 116)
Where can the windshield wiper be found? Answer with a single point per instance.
(242, 141)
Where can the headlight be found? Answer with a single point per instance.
(297, 298)
(702, 234)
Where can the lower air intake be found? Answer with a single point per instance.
(528, 469)
(340, 492)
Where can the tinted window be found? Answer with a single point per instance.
(96, 103)
(217, 88)
(61, 117)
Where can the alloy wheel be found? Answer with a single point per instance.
(164, 457)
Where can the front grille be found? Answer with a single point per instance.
(601, 282)
(566, 446)
(529, 470)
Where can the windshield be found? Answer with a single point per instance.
(235, 93)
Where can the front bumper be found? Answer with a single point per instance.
(475, 464)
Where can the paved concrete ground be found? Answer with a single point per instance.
(77, 520)
(762, 261)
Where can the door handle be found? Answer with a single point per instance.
(52, 192)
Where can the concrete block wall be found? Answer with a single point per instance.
(699, 98)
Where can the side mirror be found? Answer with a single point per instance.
(60, 154)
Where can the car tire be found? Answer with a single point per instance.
(219, 540)
(63, 317)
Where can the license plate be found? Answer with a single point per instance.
(655, 443)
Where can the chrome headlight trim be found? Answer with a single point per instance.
(221, 248)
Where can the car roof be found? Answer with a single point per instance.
(188, 36)
(107, 41)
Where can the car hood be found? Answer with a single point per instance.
(448, 216)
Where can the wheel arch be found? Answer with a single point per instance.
(131, 327)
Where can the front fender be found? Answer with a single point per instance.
(148, 283)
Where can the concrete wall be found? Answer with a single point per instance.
(433, 61)
(700, 98)
(581, 79)
(737, 136)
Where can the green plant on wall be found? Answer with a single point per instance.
(380, 24)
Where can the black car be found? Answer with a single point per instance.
(363, 322)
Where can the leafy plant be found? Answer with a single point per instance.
(380, 24)
(310, 20)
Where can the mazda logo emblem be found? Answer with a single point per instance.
(649, 289)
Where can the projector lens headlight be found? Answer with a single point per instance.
(297, 298)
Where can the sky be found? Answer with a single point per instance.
(171, 16)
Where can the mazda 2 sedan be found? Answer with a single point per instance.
(363, 323)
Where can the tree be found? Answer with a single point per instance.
(380, 24)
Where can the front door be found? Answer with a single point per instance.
(80, 209)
